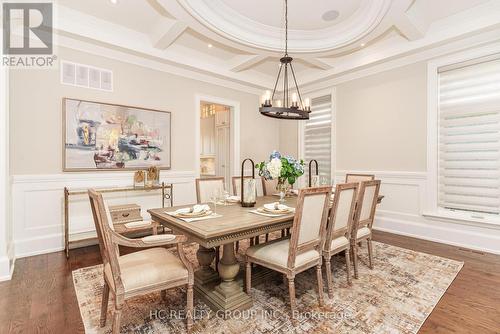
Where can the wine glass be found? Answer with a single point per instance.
(214, 197)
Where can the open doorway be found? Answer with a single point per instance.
(215, 141)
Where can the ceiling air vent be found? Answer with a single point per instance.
(86, 76)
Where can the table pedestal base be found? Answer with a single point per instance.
(227, 294)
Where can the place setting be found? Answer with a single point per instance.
(194, 213)
(274, 209)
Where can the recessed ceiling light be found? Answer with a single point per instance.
(330, 15)
(114, 2)
(362, 44)
(209, 45)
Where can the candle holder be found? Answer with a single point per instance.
(316, 175)
(248, 186)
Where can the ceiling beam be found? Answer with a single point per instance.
(244, 62)
(166, 32)
(410, 29)
(318, 62)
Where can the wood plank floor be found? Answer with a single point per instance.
(40, 298)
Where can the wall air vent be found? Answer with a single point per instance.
(86, 76)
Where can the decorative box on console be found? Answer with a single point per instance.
(125, 213)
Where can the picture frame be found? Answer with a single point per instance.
(98, 136)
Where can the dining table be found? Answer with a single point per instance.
(221, 290)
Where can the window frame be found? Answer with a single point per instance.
(333, 133)
(432, 209)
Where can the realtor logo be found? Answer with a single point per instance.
(28, 35)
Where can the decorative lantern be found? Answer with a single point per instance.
(248, 186)
(313, 179)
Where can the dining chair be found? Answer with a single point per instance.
(259, 186)
(142, 272)
(269, 186)
(302, 250)
(363, 222)
(206, 188)
(339, 229)
(349, 178)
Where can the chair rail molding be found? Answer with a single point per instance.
(403, 211)
(38, 204)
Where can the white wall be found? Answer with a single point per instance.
(381, 129)
(6, 252)
(36, 151)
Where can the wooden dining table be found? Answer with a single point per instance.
(220, 289)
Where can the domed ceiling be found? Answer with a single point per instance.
(241, 41)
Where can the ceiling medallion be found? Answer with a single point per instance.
(285, 110)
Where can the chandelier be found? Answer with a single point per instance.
(291, 107)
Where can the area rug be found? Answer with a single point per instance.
(395, 297)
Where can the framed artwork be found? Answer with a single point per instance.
(103, 136)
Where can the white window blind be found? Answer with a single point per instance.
(469, 136)
(318, 135)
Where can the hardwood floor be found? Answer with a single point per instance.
(40, 298)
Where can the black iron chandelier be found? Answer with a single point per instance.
(292, 106)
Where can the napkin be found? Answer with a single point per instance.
(233, 198)
(198, 208)
(276, 206)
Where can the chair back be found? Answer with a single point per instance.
(237, 186)
(367, 203)
(269, 186)
(342, 212)
(349, 178)
(309, 224)
(206, 187)
(104, 226)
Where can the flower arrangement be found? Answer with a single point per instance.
(282, 168)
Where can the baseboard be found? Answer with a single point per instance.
(398, 227)
(39, 245)
(6, 268)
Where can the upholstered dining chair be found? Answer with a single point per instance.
(142, 272)
(303, 249)
(349, 178)
(269, 186)
(206, 188)
(259, 185)
(363, 222)
(339, 229)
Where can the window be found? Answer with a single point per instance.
(468, 174)
(317, 136)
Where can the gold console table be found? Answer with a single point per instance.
(166, 195)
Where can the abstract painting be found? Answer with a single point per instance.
(102, 136)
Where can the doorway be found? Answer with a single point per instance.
(215, 141)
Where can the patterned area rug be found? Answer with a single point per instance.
(395, 297)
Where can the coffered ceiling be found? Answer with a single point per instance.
(241, 40)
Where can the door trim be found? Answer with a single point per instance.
(234, 128)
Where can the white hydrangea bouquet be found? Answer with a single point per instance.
(285, 169)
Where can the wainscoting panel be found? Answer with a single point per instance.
(401, 212)
(38, 202)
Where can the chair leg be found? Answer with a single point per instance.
(319, 276)
(291, 291)
(104, 304)
(189, 307)
(267, 237)
(163, 294)
(348, 266)
(248, 277)
(370, 252)
(329, 276)
(237, 246)
(117, 318)
(355, 259)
